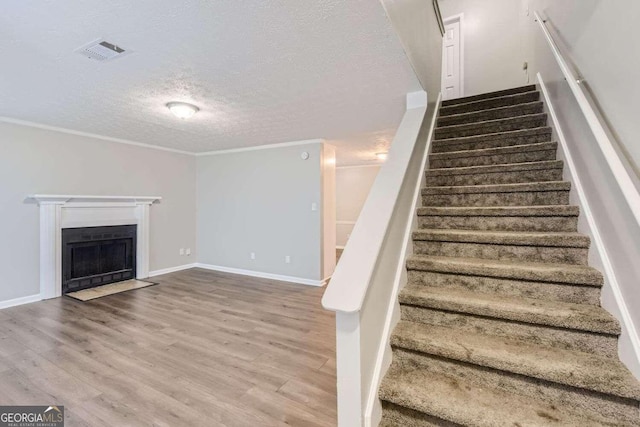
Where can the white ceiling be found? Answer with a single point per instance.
(261, 71)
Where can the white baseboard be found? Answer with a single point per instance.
(340, 247)
(171, 270)
(263, 275)
(629, 331)
(19, 301)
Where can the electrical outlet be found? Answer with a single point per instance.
(314, 206)
(253, 255)
(287, 259)
(181, 251)
(188, 252)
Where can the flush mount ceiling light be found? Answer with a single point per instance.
(382, 156)
(182, 110)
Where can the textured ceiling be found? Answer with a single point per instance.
(261, 71)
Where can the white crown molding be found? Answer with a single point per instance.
(263, 275)
(260, 147)
(162, 271)
(91, 135)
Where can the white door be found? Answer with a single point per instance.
(452, 73)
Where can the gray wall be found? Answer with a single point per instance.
(352, 188)
(260, 201)
(492, 56)
(49, 162)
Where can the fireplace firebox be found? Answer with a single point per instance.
(95, 256)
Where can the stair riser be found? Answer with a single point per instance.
(605, 345)
(491, 141)
(508, 287)
(516, 177)
(535, 198)
(394, 416)
(491, 127)
(500, 159)
(500, 223)
(494, 114)
(597, 405)
(561, 255)
(490, 103)
(490, 95)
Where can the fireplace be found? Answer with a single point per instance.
(95, 256)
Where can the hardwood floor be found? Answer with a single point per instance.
(200, 349)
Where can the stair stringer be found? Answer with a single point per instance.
(611, 298)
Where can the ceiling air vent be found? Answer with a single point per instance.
(102, 51)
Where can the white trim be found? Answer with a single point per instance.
(91, 135)
(263, 275)
(397, 282)
(609, 272)
(162, 271)
(20, 301)
(339, 247)
(259, 147)
(460, 18)
(416, 99)
(345, 222)
(361, 166)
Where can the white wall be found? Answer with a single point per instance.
(353, 184)
(260, 201)
(417, 28)
(42, 161)
(492, 54)
(600, 38)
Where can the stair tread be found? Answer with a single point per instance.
(499, 188)
(512, 107)
(512, 149)
(489, 95)
(530, 211)
(477, 105)
(489, 136)
(533, 271)
(523, 118)
(581, 317)
(569, 367)
(529, 238)
(458, 401)
(500, 168)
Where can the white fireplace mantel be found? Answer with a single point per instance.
(71, 211)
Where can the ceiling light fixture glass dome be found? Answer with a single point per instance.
(182, 110)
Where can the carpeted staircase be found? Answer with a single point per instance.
(501, 319)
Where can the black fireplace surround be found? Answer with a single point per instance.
(95, 256)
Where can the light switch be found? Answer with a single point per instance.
(314, 206)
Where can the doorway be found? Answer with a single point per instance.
(453, 58)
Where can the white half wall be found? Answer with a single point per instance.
(39, 161)
(353, 184)
(267, 202)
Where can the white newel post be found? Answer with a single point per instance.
(59, 212)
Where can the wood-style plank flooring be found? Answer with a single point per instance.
(200, 349)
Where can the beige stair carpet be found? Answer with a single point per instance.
(501, 323)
